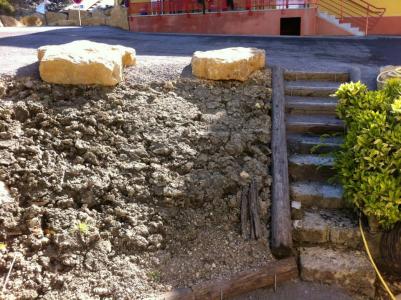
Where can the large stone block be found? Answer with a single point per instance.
(54, 17)
(351, 270)
(8, 21)
(84, 62)
(118, 17)
(33, 20)
(228, 64)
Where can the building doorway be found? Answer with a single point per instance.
(290, 26)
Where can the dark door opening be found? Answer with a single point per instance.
(290, 26)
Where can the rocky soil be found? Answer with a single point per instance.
(128, 192)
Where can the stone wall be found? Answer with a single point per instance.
(115, 17)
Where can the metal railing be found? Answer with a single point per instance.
(162, 7)
(359, 13)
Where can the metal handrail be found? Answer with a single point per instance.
(359, 13)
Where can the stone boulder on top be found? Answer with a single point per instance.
(228, 64)
(84, 62)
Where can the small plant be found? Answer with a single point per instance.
(369, 161)
(3, 246)
(154, 276)
(82, 228)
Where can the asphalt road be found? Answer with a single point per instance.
(18, 48)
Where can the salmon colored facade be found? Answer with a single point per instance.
(266, 17)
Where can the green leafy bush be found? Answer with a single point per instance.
(369, 162)
(6, 8)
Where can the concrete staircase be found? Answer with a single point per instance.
(326, 234)
(336, 22)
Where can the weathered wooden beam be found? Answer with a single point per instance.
(281, 224)
(266, 276)
(245, 224)
(254, 214)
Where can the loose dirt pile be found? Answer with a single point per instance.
(123, 193)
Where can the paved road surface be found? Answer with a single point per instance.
(18, 48)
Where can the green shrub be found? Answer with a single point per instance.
(369, 162)
(6, 8)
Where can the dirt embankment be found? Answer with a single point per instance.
(123, 193)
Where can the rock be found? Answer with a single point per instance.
(54, 17)
(8, 21)
(351, 270)
(1, 24)
(228, 64)
(5, 196)
(118, 17)
(3, 88)
(33, 20)
(84, 62)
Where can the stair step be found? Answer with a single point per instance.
(348, 269)
(302, 167)
(317, 194)
(317, 76)
(334, 228)
(310, 105)
(313, 144)
(314, 124)
(311, 88)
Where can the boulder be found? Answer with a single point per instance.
(5, 196)
(3, 89)
(33, 20)
(118, 17)
(228, 64)
(54, 17)
(8, 21)
(84, 62)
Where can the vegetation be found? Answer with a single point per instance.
(6, 8)
(369, 162)
(82, 228)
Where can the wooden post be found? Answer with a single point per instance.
(281, 224)
(266, 276)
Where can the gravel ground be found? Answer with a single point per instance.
(128, 192)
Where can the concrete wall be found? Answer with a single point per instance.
(393, 7)
(237, 22)
(384, 25)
